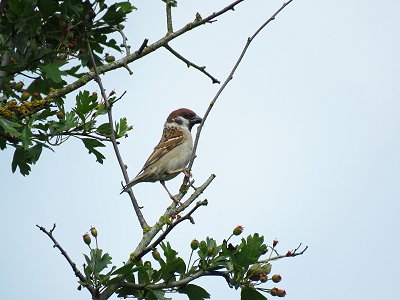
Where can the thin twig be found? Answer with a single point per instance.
(227, 80)
(169, 18)
(125, 45)
(292, 253)
(57, 245)
(190, 64)
(136, 207)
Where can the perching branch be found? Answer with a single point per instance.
(97, 78)
(227, 80)
(142, 51)
(66, 256)
(162, 236)
(190, 64)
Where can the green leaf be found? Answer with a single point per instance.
(85, 103)
(47, 7)
(104, 129)
(53, 72)
(249, 250)
(126, 7)
(156, 295)
(10, 127)
(26, 138)
(122, 127)
(3, 143)
(248, 293)
(196, 292)
(91, 144)
(125, 269)
(24, 158)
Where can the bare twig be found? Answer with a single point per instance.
(142, 46)
(78, 274)
(190, 64)
(292, 253)
(227, 80)
(136, 207)
(125, 45)
(169, 18)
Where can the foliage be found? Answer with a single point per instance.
(242, 266)
(45, 43)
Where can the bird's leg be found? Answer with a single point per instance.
(170, 195)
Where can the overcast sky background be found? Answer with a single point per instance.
(305, 143)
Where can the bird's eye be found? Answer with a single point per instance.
(178, 121)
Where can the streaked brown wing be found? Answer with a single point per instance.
(169, 140)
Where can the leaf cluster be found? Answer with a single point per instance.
(43, 43)
(240, 266)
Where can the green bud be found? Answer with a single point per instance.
(276, 278)
(87, 239)
(238, 230)
(194, 244)
(156, 255)
(93, 231)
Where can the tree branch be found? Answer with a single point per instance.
(97, 78)
(227, 80)
(142, 51)
(66, 256)
(190, 64)
(188, 216)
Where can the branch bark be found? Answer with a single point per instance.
(97, 78)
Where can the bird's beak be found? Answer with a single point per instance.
(195, 120)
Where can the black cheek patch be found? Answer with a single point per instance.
(178, 121)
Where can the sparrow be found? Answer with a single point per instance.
(172, 154)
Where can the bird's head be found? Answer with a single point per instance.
(184, 117)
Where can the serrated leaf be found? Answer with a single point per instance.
(85, 103)
(196, 292)
(249, 250)
(10, 127)
(91, 144)
(53, 72)
(104, 129)
(122, 127)
(248, 293)
(24, 158)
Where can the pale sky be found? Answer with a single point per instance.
(305, 143)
